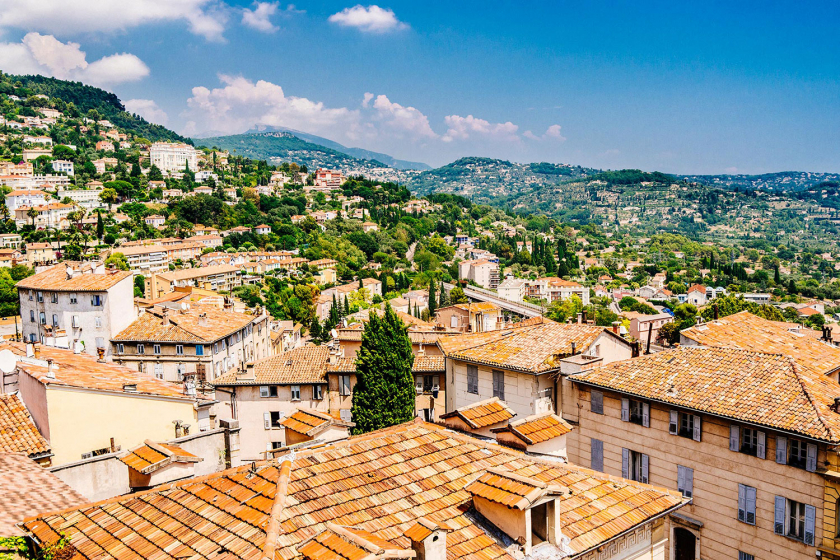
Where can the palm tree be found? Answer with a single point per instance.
(32, 214)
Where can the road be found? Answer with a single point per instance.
(519, 307)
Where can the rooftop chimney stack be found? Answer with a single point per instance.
(202, 319)
(36, 349)
(580, 318)
(616, 327)
(30, 350)
(165, 316)
(50, 369)
(428, 539)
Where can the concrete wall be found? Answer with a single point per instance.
(521, 389)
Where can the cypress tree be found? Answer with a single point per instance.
(315, 328)
(443, 300)
(432, 304)
(384, 392)
(776, 278)
(346, 306)
(100, 227)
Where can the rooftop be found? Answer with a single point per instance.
(199, 324)
(482, 413)
(310, 422)
(199, 272)
(537, 428)
(85, 278)
(18, 433)
(307, 364)
(368, 482)
(769, 390)
(152, 456)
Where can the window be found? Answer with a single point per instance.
(141, 349)
(97, 322)
(472, 380)
(30, 295)
(746, 504)
(499, 384)
(159, 371)
(199, 349)
(597, 455)
(745, 556)
(268, 391)
(636, 412)
(596, 402)
(96, 300)
(40, 297)
(317, 392)
(156, 349)
(73, 298)
(179, 349)
(55, 321)
(344, 385)
(120, 348)
(43, 318)
(685, 481)
(271, 420)
(54, 297)
(295, 392)
(31, 316)
(634, 465)
(685, 425)
(794, 520)
(796, 453)
(181, 370)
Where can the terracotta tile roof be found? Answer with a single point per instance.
(307, 364)
(354, 334)
(512, 490)
(422, 364)
(535, 346)
(483, 413)
(55, 279)
(199, 272)
(697, 288)
(381, 483)
(537, 428)
(152, 456)
(18, 433)
(186, 326)
(84, 371)
(349, 543)
(750, 332)
(765, 389)
(311, 422)
(29, 489)
(478, 307)
(425, 527)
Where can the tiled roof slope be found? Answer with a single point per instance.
(18, 433)
(28, 489)
(483, 413)
(422, 364)
(186, 327)
(538, 428)
(765, 389)
(535, 347)
(151, 456)
(55, 279)
(308, 422)
(512, 490)
(307, 364)
(348, 543)
(382, 483)
(750, 332)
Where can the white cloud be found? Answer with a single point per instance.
(260, 17)
(554, 133)
(46, 55)
(372, 19)
(462, 128)
(404, 121)
(206, 18)
(147, 109)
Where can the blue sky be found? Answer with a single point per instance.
(679, 87)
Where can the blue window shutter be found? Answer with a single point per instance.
(625, 463)
(779, 515)
(811, 459)
(597, 401)
(625, 410)
(742, 502)
(761, 453)
(645, 465)
(697, 428)
(781, 450)
(734, 437)
(810, 522)
(597, 455)
(673, 425)
(646, 415)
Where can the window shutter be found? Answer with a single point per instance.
(625, 410)
(625, 462)
(596, 399)
(811, 459)
(781, 450)
(680, 477)
(689, 482)
(645, 462)
(646, 415)
(779, 516)
(742, 502)
(267, 420)
(597, 455)
(761, 453)
(810, 522)
(750, 505)
(734, 437)
(674, 422)
(263, 391)
(697, 430)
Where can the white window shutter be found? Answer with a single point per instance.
(625, 410)
(811, 459)
(645, 464)
(779, 516)
(674, 422)
(781, 450)
(625, 462)
(761, 453)
(750, 505)
(697, 428)
(267, 420)
(810, 522)
(742, 502)
(734, 437)
(646, 415)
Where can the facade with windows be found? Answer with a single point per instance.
(749, 437)
(76, 306)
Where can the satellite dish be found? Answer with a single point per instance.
(7, 361)
(333, 333)
(184, 306)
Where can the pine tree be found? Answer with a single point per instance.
(384, 392)
(432, 304)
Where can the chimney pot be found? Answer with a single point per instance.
(101, 352)
(50, 369)
(36, 348)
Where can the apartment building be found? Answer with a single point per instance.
(63, 166)
(219, 278)
(520, 365)
(86, 407)
(482, 271)
(171, 341)
(172, 156)
(86, 198)
(39, 254)
(750, 437)
(552, 288)
(646, 327)
(481, 316)
(513, 289)
(327, 178)
(78, 306)
(147, 259)
(49, 215)
(28, 197)
(476, 500)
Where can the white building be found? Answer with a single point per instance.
(79, 307)
(18, 199)
(86, 198)
(170, 156)
(512, 289)
(63, 166)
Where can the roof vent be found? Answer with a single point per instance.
(836, 406)
(130, 387)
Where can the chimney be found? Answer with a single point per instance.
(583, 316)
(616, 327)
(715, 309)
(574, 348)
(165, 316)
(30, 350)
(50, 369)
(202, 319)
(428, 539)
(248, 373)
(36, 349)
(101, 352)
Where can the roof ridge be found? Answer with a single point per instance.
(798, 375)
(272, 531)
